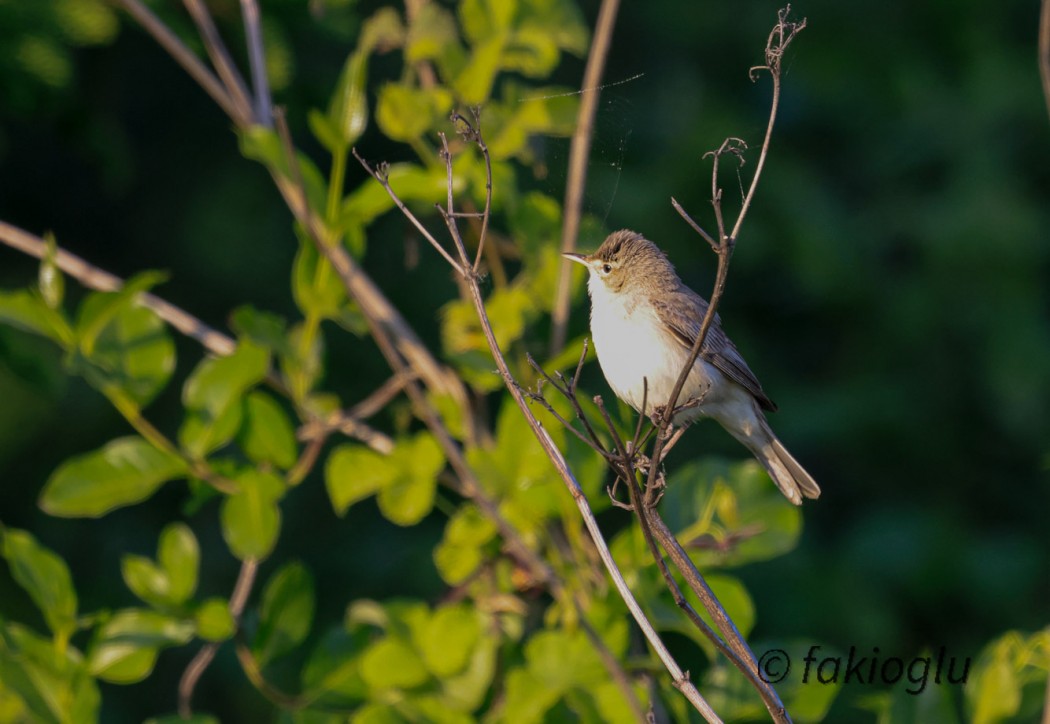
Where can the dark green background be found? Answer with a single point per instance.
(889, 288)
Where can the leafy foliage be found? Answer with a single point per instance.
(497, 643)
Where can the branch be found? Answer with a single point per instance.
(185, 57)
(578, 155)
(257, 61)
(185, 323)
(680, 678)
(197, 666)
(220, 58)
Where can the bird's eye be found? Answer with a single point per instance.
(606, 268)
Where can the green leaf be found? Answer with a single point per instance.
(99, 309)
(126, 471)
(460, 551)
(217, 381)
(172, 582)
(251, 518)
(448, 639)
(474, 83)
(27, 311)
(392, 664)
(355, 472)
(410, 496)
(267, 435)
(316, 287)
(286, 614)
(729, 513)
(146, 580)
(45, 577)
(433, 36)
(132, 351)
(202, 433)
(179, 555)
(1008, 678)
(348, 109)
(125, 647)
(53, 686)
(213, 397)
(214, 621)
(405, 113)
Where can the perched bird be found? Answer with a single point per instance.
(644, 322)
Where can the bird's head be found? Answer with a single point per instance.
(625, 259)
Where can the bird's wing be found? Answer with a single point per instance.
(718, 349)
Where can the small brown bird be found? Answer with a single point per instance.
(644, 322)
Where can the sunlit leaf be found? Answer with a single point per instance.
(448, 639)
(267, 435)
(405, 113)
(1008, 678)
(355, 472)
(125, 647)
(125, 471)
(54, 686)
(251, 518)
(45, 577)
(392, 664)
(214, 621)
(27, 311)
(99, 309)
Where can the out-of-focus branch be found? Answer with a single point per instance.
(220, 57)
(257, 61)
(100, 280)
(214, 341)
(199, 664)
(578, 154)
(1044, 60)
(184, 57)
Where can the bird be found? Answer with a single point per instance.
(644, 321)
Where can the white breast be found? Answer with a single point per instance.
(632, 346)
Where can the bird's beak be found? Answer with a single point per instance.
(573, 256)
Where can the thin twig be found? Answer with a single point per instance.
(197, 666)
(379, 174)
(680, 679)
(220, 57)
(257, 62)
(579, 151)
(185, 57)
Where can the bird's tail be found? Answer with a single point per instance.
(790, 476)
(792, 479)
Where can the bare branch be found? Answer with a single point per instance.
(211, 339)
(578, 154)
(220, 57)
(197, 666)
(186, 58)
(680, 679)
(380, 176)
(257, 60)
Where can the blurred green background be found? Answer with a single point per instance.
(889, 288)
